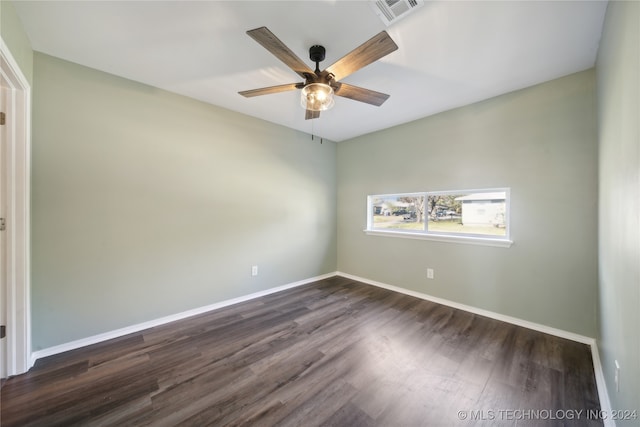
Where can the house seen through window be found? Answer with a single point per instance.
(473, 213)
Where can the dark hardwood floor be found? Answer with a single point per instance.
(335, 353)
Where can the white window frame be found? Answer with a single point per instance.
(439, 236)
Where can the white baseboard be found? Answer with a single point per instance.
(493, 315)
(94, 339)
(605, 403)
(603, 395)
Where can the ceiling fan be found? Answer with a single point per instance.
(319, 87)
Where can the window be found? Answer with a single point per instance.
(470, 216)
(397, 212)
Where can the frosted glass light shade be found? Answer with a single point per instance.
(317, 97)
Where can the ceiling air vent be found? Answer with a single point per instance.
(390, 11)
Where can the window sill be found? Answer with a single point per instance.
(482, 241)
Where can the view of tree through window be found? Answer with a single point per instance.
(482, 213)
(401, 212)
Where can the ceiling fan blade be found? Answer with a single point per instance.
(310, 114)
(360, 94)
(270, 89)
(370, 51)
(273, 44)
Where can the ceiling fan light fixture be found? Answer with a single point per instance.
(317, 97)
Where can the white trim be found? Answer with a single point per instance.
(605, 404)
(94, 339)
(18, 216)
(603, 395)
(447, 238)
(491, 314)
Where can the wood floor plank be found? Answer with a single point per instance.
(334, 353)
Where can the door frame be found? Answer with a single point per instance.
(18, 162)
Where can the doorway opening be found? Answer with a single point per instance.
(15, 155)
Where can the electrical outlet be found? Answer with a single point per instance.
(617, 377)
(429, 273)
(254, 270)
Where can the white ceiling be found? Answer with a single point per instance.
(450, 54)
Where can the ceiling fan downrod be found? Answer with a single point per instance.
(317, 54)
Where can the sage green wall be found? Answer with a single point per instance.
(618, 77)
(540, 142)
(16, 39)
(146, 203)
